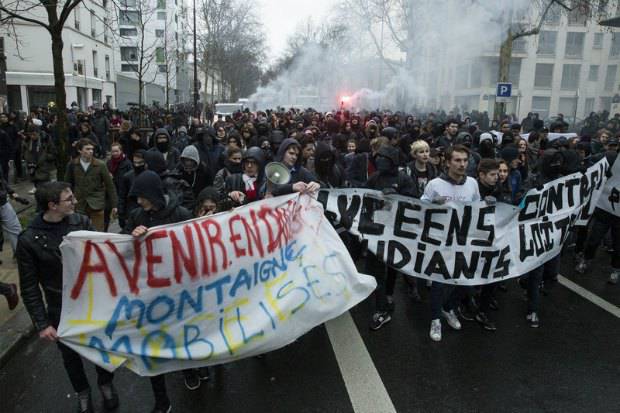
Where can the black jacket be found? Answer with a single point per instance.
(5, 189)
(411, 170)
(171, 213)
(39, 263)
(298, 172)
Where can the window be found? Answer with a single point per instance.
(162, 68)
(97, 98)
(159, 33)
(544, 75)
(540, 105)
(159, 55)
(574, 44)
(129, 68)
(568, 106)
(614, 51)
(515, 72)
(129, 32)
(519, 45)
(570, 77)
(105, 29)
(129, 53)
(460, 77)
(161, 4)
(546, 43)
(76, 18)
(610, 78)
(593, 73)
(553, 15)
(78, 67)
(589, 106)
(598, 41)
(476, 73)
(161, 15)
(128, 18)
(95, 64)
(93, 24)
(107, 67)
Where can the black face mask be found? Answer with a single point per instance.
(383, 164)
(235, 168)
(162, 146)
(138, 169)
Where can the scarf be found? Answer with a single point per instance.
(115, 162)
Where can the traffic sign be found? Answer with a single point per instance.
(503, 93)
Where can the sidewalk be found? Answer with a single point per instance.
(15, 326)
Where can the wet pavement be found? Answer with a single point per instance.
(570, 364)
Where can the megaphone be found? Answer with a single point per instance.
(276, 173)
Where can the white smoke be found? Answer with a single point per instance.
(445, 35)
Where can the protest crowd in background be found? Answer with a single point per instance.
(177, 168)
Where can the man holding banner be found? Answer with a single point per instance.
(453, 186)
(39, 264)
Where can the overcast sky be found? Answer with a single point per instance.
(281, 17)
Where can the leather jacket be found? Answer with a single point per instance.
(40, 264)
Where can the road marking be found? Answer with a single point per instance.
(594, 299)
(364, 385)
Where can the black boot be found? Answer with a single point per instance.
(85, 402)
(110, 396)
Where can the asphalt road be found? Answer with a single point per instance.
(570, 364)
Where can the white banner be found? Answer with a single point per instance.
(206, 291)
(610, 198)
(473, 243)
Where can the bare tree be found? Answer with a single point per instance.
(52, 16)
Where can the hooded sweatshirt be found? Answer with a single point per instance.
(298, 172)
(166, 210)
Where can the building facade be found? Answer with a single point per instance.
(152, 38)
(571, 67)
(88, 60)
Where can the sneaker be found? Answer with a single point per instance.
(85, 402)
(452, 319)
(613, 277)
(484, 321)
(110, 396)
(466, 314)
(581, 266)
(32, 191)
(12, 297)
(435, 332)
(533, 319)
(192, 379)
(379, 319)
(162, 409)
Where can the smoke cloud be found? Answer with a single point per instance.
(423, 52)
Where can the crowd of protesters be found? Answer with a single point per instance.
(181, 168)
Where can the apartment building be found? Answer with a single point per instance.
(152, 38)
(571, 67)
(88, 60)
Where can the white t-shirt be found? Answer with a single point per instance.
(465, 192)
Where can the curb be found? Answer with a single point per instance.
(13, 333)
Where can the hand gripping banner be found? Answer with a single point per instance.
(468, 244)
(206, 291)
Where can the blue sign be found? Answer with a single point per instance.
(504, 90)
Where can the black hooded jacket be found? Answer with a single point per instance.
(166, 209)
(328, 172)
(392, 181)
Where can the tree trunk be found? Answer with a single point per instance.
(62, 127)
(505, 56)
